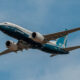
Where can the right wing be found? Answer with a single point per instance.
(54, 36)
(71, 48)
(21, 45)
(6, 52)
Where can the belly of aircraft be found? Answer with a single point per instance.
(53, 49)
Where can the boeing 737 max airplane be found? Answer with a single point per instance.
(35, 40)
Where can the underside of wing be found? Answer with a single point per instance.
(71, 48)
(59, 34)
(5, 52)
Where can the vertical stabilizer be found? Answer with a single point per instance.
(62, 42)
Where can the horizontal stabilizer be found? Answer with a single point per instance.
(71, 48)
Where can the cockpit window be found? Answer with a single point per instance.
(5, 22)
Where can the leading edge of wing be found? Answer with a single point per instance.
(54, 36)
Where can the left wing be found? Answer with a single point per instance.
(59, 34)
(6, 52)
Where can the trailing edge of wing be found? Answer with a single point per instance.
(71, 48)
(5, 52)
(59, 34)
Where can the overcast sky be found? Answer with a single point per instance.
(44, 16)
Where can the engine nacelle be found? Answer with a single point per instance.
(37, 36)
(11, 45)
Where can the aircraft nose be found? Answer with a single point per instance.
(1, 26)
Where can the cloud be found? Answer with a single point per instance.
(68, 73)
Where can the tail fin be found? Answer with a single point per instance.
(62, 42)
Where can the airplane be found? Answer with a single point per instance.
(34, 40)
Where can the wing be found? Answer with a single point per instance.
(6, 52)
(21, 45)
(71, 48)
(59, 34)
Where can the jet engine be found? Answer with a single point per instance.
(11, 45)
(37, 36)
